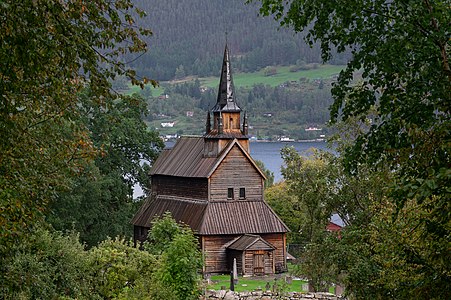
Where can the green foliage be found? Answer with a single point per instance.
(46, 265)
(307, 179)
(100, 203)
(163, 232)
(180, 259)
(288, 208)
(51, 50)
(405, 85)
(121, 271)
(269, 175)
(400, 111)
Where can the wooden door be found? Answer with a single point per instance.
(259, 264)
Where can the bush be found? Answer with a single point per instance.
(45, 265)
(180, 259)
(121, 271)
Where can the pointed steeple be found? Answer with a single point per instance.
(226, 93)
(226, 115)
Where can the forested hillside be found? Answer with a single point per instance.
(189, 37)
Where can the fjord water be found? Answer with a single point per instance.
(269, 153)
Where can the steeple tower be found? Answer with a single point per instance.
(226, 114)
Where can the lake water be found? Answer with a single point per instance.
(269, 154)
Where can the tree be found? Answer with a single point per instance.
(120, 271)
(180, 257)
(51, 50)
(269, 175)
(287, 207)
(402, 49)
(406, 79)
(100, 202)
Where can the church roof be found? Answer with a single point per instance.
(212, 218)
(186, 159)
(250, 242)
(226, 94)
(184, 210)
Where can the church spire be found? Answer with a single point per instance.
(226, 115)
(226, 93)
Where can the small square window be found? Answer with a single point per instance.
(242, 193)
(230, 193)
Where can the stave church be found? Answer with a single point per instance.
(212, 184)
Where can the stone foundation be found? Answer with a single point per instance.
(268, 295)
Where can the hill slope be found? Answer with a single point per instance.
(189, 38)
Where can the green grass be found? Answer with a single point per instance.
(283, 75)
(252, 284)
(249, 79)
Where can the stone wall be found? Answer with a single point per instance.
(268, 295)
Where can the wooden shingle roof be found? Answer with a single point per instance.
(184, 210)
(250, 242)
(212, 218)
(186, 159)
(240, 217)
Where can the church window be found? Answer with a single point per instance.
(230, 193)
(231, 123)
(242, 193)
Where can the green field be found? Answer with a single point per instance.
(283, 75)
(252, 284)
(250, 79)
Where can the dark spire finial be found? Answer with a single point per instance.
(208, 124)
(245, 126)
(226, 94)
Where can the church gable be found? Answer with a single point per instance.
(236, 178)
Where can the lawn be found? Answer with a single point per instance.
(253, 283)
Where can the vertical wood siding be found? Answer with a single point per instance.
(278, 241)
(215, 253)
(218, 260)
(236, 172)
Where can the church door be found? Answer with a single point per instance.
(259, 263)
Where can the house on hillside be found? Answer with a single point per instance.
(212, 184)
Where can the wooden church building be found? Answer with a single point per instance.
(212, 184)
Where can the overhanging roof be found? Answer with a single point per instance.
(186, 159)
(250, 242)
(213, 218)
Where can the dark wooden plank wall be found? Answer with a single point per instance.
(278, 240)
(180, 186)
(140, 234)
(236, 172)
(215, 254)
